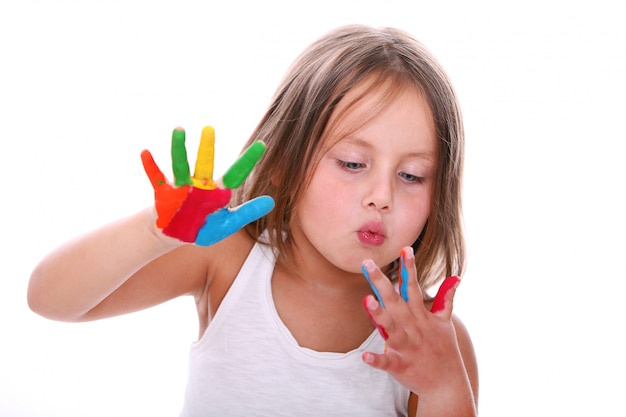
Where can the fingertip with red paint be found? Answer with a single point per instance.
(439, 303)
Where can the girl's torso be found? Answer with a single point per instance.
(247, 360)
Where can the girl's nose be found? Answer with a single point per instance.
(379, 194)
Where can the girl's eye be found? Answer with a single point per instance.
(351, 166)
(411, 178)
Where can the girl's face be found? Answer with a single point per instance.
(370, 195)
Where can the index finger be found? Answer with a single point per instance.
(368, 267)
(242, 167)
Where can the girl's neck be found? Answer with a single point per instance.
(322, 307)
(316, 272)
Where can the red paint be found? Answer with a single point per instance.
(193, 212)
(380, 328)
(167, 199)
(439, 303)
(403, 273)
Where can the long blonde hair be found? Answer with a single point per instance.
(294, 125)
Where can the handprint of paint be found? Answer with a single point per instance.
(184, 208)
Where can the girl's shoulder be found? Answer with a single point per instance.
(228, 255)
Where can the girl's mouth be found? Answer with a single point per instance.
(371, 234)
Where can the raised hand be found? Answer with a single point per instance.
(193, 209)
(421, 351)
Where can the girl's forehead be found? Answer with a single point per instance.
(364, 102)
(371, 95)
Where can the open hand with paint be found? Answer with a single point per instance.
(415, 337)
(193, 209)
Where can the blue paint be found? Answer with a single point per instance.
(376, 293)
(224, 222)
(404, 281)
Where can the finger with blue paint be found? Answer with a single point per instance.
(403, 274)
(367, 267)
(407, 259)
(371, 305)
(225, 222)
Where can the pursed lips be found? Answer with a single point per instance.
(372, 233)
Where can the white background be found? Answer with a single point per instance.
(86, 85)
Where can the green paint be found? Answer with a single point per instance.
(180, 164)
(240, 170)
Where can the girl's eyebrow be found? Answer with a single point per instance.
(429, 156)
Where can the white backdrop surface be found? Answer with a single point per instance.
(86, 85)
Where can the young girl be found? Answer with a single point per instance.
(299, 310)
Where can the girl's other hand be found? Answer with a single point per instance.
(422, 351)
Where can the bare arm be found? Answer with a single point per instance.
(141, 260)
(122, 267)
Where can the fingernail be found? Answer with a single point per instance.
(368, 358)
(371, 303)
(369, 265)
(407, 253)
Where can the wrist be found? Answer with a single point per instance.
(452, 400)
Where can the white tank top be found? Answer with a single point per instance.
(247, 363)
